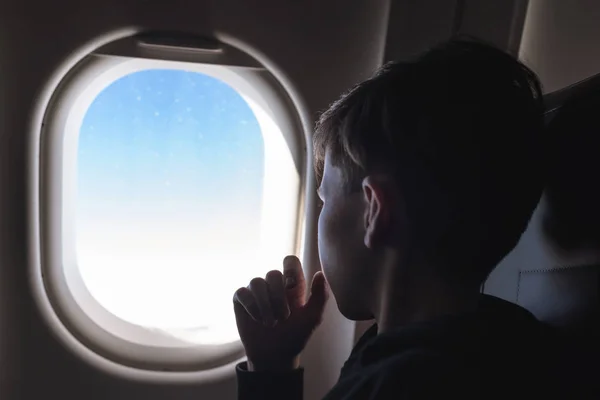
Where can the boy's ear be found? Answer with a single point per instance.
(378, 197)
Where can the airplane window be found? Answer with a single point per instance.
(169, 188)
(169, 215)
(164, 185)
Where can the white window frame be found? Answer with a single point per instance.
(125, 347)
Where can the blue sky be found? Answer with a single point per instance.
(170, 169)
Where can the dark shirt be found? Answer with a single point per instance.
(501, 351)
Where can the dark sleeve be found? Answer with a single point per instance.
(268, 385)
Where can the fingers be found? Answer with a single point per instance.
(260, 290)
(273, 298)
(294, 281)
(264, 300)
(277, 295)
(244, 306)
(253, 302)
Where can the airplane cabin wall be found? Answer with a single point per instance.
(560, 41)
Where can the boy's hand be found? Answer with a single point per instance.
(274, 321)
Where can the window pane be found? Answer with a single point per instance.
(169, 191)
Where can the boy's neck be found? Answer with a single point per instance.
(421, 303)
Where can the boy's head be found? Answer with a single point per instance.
(429, 170)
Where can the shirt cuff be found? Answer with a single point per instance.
(262, 385)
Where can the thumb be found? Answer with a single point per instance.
(315, 305)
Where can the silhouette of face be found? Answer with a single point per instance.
(345, 259)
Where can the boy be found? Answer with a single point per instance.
(429, 173)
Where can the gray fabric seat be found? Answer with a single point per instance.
(554, 272)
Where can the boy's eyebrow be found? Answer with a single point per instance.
(319, 191)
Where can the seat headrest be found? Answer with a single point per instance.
(567, 294)
(572, 218)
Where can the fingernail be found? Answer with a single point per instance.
(290, 282)
(289, 259)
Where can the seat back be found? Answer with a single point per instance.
(554, 271)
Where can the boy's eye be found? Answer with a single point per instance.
(320, 203)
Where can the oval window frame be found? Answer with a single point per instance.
(63, 287)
